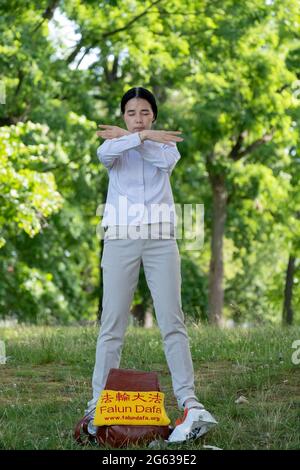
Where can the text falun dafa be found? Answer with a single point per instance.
(135, 408)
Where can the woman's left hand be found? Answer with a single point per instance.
(111, 132)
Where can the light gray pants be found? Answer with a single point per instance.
(121, 264)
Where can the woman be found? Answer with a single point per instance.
(139, 162)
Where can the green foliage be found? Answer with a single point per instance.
(223, 72)
(27, 196)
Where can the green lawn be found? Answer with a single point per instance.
(46, 383)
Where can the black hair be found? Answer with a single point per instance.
(140, 92)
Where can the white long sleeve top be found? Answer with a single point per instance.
(139, 190)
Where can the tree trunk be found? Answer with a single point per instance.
(138, 312)
(287, 312)
(216, 292)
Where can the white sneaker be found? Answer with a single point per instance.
(195, 423)
(92, 429)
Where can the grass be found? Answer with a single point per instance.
(46, 383)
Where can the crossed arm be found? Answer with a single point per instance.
(156, 147)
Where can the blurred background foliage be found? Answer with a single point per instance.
(226, 73)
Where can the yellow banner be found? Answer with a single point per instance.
(136, 408)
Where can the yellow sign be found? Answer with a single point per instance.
(136, 408)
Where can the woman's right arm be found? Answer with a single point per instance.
(111, 149)
(164, 137)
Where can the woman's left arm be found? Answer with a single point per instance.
(117, 141)
(163, 156)
(111, 132)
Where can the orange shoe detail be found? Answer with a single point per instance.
(180, 420)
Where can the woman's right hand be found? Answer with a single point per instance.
(161, 136)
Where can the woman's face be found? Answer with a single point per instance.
(138, 115)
